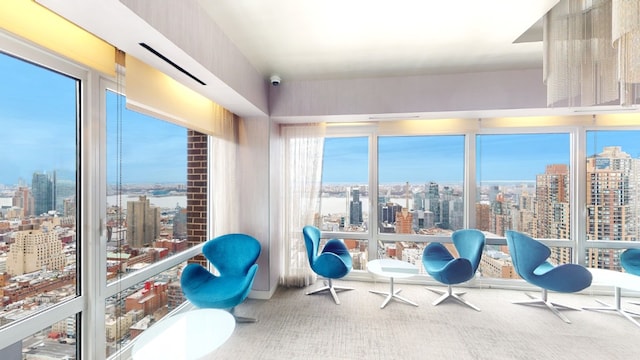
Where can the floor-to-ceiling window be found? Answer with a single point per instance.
(344, 202)
(40, 207)
(612, 200)
(420, 191)
(146, 219)
(523, 184)
(495, 176)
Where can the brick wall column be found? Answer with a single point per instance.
(197, 155)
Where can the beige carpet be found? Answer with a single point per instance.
(292, 325)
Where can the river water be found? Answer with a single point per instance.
(329, 205)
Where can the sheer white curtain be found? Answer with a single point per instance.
(302, 163)
(223, 147)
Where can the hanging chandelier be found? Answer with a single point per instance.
(592, 53)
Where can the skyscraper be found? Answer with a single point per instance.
(404, 222)
(64, 191)
(553, 216)
(552, 196)
(143, 222)
(610, 203)
(22, 198)
(355, 207)
(387, 212)
(433, 198)
(180, 223)
(43, 195)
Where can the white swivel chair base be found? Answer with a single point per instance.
(241, 319)
(454, 295)
(328, 286)
(553, 306)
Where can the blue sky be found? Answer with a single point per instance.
(38, 122)
(152, 151)
(37, 118)
(420, 159)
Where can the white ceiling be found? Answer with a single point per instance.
(320, 39)
(327, 39)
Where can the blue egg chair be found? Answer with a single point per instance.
(529, 258)
(630, 262)
(334, 262)
(450, 270)
(234, 257)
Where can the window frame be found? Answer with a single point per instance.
(76, 306)
(567, 124)
(108, 289)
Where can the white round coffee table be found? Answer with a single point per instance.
(189, 335)
(392, 268)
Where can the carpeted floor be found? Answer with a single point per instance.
(292, 325)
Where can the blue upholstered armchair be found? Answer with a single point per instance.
(234, 256)
(333, 262)
(630, 261)
(529, 258)
(450, 270)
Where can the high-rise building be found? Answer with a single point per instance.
(552, 215)
(64, 191)
(143, 223)
(610, 203)
(483, 216)
(456, 214)
(433, 201)
(42, 190)
(446, 208)
(525, 219)
(387, 212)
(22, 198)
(501, 217)
(35, 250)
(418, 201)
(552, 196)
(355, 207)
(180, 223)
(404, 222)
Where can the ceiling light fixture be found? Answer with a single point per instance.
(592, 53)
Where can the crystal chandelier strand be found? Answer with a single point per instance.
(626, 39)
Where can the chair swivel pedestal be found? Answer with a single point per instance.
(333, 262)
(331, 288)
(551, 305)
(449, 293)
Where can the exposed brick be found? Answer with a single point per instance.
(197, 189)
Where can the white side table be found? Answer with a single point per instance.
(189, 335)
(618, 280)
(392, 268)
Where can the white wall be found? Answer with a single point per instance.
(428, 96)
